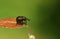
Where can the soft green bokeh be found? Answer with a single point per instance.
(44, 15)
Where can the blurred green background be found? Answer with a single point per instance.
(44, 15)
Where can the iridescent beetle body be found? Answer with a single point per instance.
(21, 20)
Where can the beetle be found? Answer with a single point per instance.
(20, 20)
